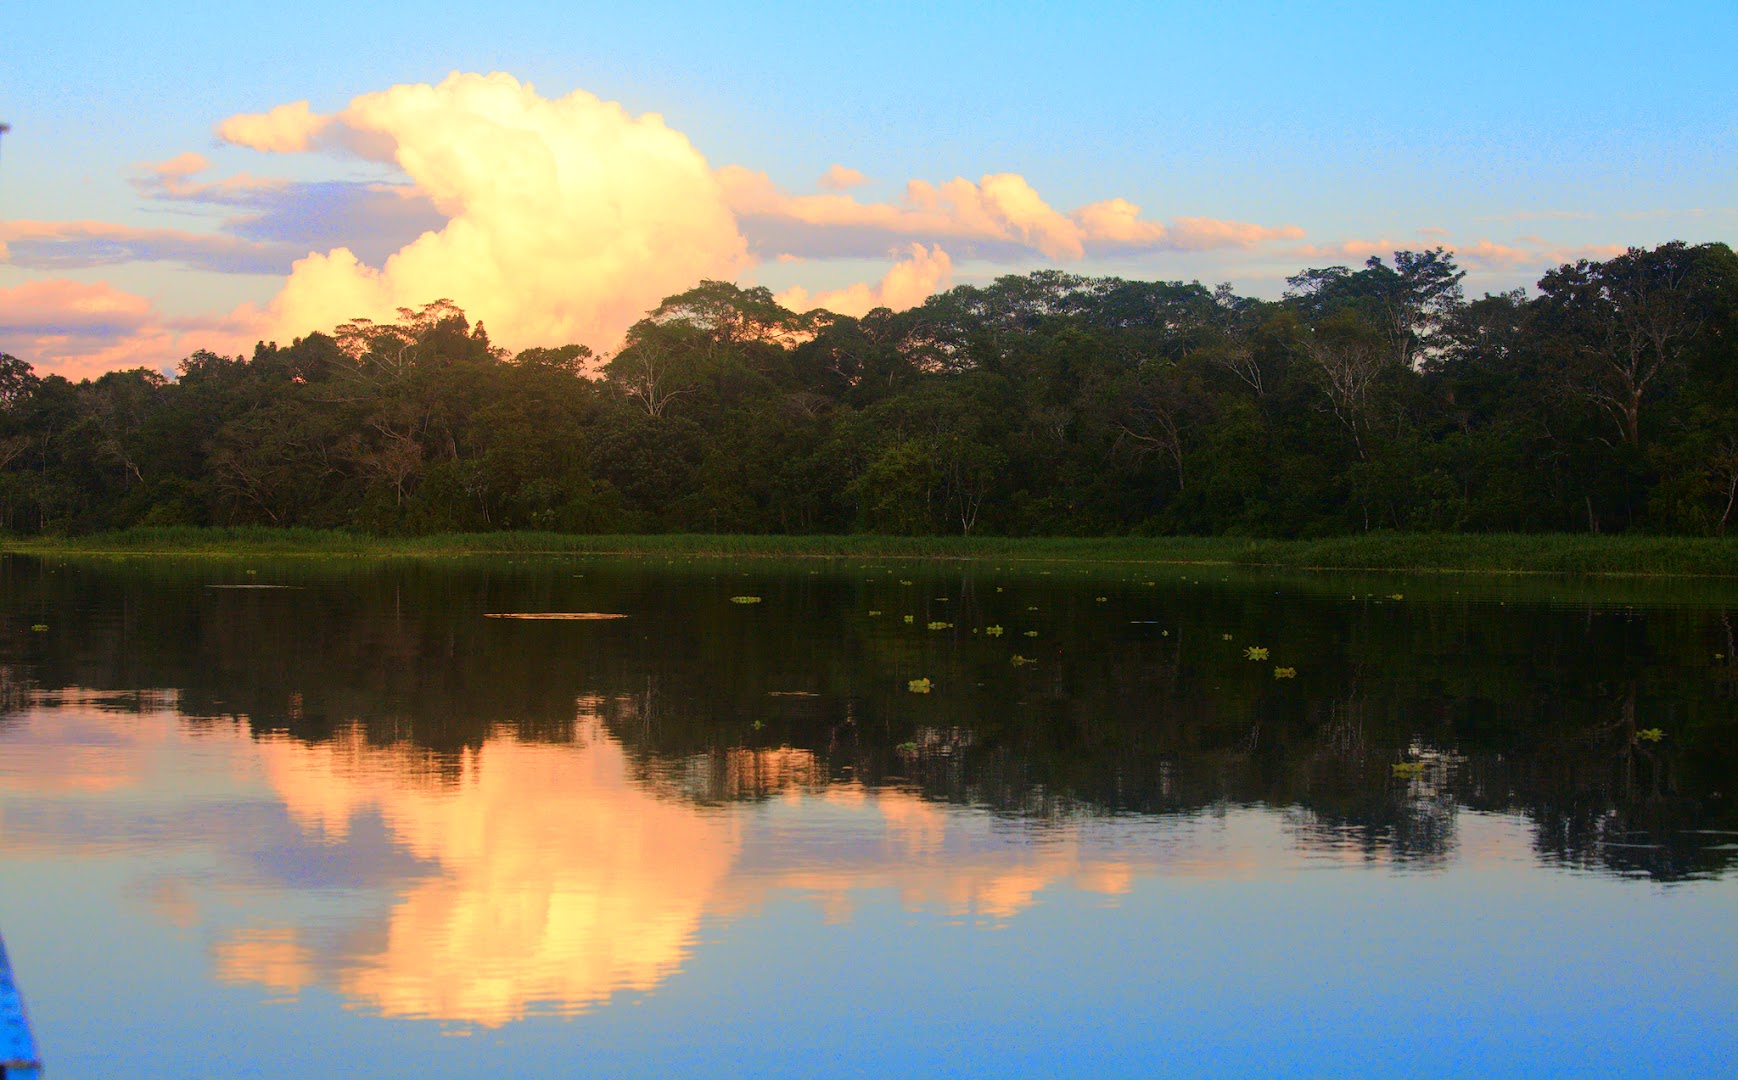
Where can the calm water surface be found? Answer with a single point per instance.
(1144, 821)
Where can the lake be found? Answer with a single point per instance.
(268, 817)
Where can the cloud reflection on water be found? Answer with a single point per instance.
(549, 877)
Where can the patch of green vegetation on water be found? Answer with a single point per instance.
(1408, 552)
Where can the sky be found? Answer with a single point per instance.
(179, 177)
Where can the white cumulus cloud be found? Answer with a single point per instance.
(566, 219)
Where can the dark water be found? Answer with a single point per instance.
(1166, 822)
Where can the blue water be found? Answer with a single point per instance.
(597, 878)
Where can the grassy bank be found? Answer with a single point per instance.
(1425, 552)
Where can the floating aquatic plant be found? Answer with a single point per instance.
(1652, 734)
(918, 686)
(906, 748)
(993, 631)
(911, 618)
(745, 599)
(1255, 652)
(1227, 637)
(1101, 599)
(40, 628)
(1397, 596)
(1031, 633)
(1285, 673)
(874, 613)
(937, 624)
(1021, 660)
(1409, 768)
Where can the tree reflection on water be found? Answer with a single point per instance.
(548, 814)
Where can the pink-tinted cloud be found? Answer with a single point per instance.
(80, 330)
(840, 178)
(999, 216)
(918, 275)
(1205, 234)
(1527, 252)
(287, 129)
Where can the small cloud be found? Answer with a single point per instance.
(287, 129)
(1524, 252)
(1202, 234)
(913, 279)
(840, 178)
(1432, 230)
(1358, 250)
(179, 166)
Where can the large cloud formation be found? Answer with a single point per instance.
(551, 220)
(566, 218)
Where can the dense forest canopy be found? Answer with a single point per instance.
(1376, 398)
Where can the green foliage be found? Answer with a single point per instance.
(1366, 403)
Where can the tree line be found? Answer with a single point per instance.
(1043, 404)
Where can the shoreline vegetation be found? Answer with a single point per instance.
(1458, 553)
(1040, 405)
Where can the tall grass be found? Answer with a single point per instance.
(1482, 553)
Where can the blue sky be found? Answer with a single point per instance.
(1548, 130)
